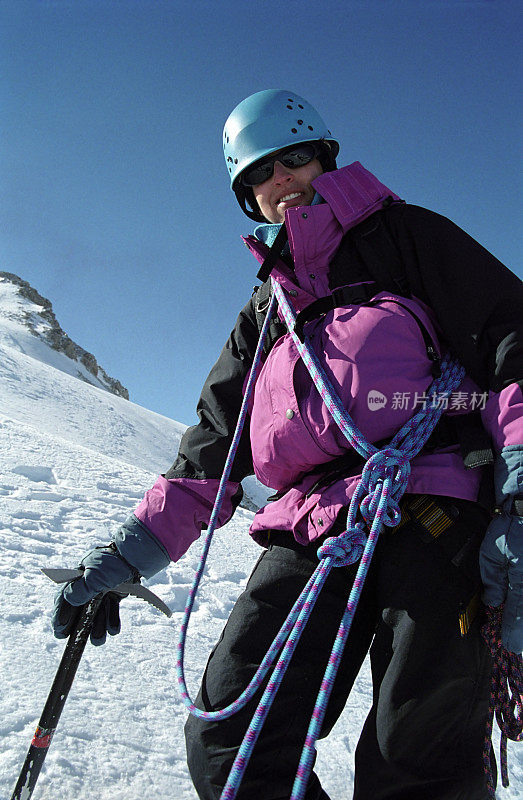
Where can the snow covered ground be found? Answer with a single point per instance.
(74, 461)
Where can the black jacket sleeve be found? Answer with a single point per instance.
(204, 447)
(478, 301)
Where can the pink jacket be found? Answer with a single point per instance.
(377, 361)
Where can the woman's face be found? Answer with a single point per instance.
(285, 188)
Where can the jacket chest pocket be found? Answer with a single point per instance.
(288, 437)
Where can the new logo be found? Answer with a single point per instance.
(376, 400)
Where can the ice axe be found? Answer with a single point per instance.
(65, 675)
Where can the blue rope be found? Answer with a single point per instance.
(384, 480)
(377, 495)
(264, 667)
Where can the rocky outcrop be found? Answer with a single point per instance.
(43, 324)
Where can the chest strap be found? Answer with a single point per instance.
(362, 295)
(344, 296)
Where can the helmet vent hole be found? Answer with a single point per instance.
(290, 108)
(310, 127)
(299, 105)
(294, 130)
(300, 122)
(235, 160)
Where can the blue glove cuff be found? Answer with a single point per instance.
(508, 474)
(501, 563)
(140, 547)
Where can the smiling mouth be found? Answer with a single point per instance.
(288, 197)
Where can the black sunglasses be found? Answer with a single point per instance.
(293, 157)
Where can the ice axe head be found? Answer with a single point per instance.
(61, 575)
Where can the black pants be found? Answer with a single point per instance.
(423, 737)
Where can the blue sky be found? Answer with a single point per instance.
(115, 201)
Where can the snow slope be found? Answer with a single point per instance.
(29, 325)
(74, 461)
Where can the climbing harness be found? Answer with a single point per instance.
(375, 503)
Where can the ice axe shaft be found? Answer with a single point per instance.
(63, 681)
(55, 701)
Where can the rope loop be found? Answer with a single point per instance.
(387, 463)
(506, 696)
(344, 549)
(383, 483)
(391, 515)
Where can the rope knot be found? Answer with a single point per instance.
(344, 549)
(386, 473)
(386, 463)
(390, 516)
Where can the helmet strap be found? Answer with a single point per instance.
(273, 254)
(242, 197)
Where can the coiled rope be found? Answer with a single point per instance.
(506, 697)
(383, 481)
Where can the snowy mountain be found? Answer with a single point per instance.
(75, 459)
(28, 323)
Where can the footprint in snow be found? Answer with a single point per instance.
(221, 609)
(234, 577)
(124, 491)
(38, 474)
(176, 599)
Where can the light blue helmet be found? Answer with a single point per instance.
(265, 122)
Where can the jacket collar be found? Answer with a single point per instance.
(351, 194)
